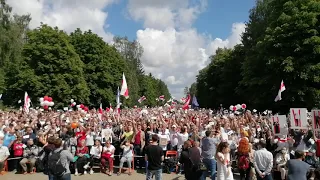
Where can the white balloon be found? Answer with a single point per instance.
(78, 106)
(41, 100)
(238, 106)
(46, 103)
(51, 103)
(72, 100)
(231, 107)
(42, 103)
(74, 103)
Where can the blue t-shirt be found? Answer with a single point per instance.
(8, 138)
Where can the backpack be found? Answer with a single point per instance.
(55, 166)
(243, 162)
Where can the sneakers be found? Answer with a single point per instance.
(91, 171)
(76, 173)
(85, 172)
(86, 166)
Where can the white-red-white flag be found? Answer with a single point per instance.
(282, 88)
(141, 99)
(187, 102)
(124, 88)
(161, 98)
(27, 102)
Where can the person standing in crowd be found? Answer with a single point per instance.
(208, 148)
(154, 156)
(190, 157)
(243, 156)
(4, 154)
(223, 162)
(263, 162)
(297, 168)
(65, 157)
(138, 144)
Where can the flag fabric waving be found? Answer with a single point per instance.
(194, 102)
(124, 88)
(118, 101)
(141, 99)
(187, 102)
(282, 88)
(27, 102)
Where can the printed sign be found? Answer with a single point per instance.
(279, 123)
(298, 118)
(315, 119)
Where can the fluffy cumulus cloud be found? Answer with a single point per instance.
(173, 50)
(66, 14)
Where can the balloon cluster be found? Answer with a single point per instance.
(45, 102)
(73, 103)
(82, 108)
(238, 107)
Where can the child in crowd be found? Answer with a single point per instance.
(17, 152)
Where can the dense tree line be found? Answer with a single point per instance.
(281, 41)
(79, 66)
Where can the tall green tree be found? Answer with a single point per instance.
(12, 33)
(103, 66)
(51, 67)
(131, 51)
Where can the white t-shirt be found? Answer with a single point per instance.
(4, 151)
(182, 138)
(111, 148)
(174, 138)
(89, 139)
(163, 138)
(96, 152)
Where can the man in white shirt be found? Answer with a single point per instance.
(263, 162)
(4, 154)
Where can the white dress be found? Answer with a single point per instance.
(222, 173)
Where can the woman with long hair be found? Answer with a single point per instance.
(223, 162)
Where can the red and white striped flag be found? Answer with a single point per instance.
(187, 102)
(282, 88)
(161, 98)
(124, 88)
(141, 99)
(27, 102)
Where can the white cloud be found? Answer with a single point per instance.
(177, 56)
(165, 13)
(173, 49)
(66, 14)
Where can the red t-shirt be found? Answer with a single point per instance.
(83, 150)
(17, 149)
(137, 139)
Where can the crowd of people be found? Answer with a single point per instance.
(204, 143)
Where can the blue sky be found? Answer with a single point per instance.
(216, 20)
(178, 36)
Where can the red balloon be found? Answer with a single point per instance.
(50, 99)
(234, 108)
(244, 106)
(81, 106)
(45, 98)
(45, 107)
(86, 108)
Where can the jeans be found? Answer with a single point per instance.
(211, 166)
(51, 177)
(64, 177)
(157, 174)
